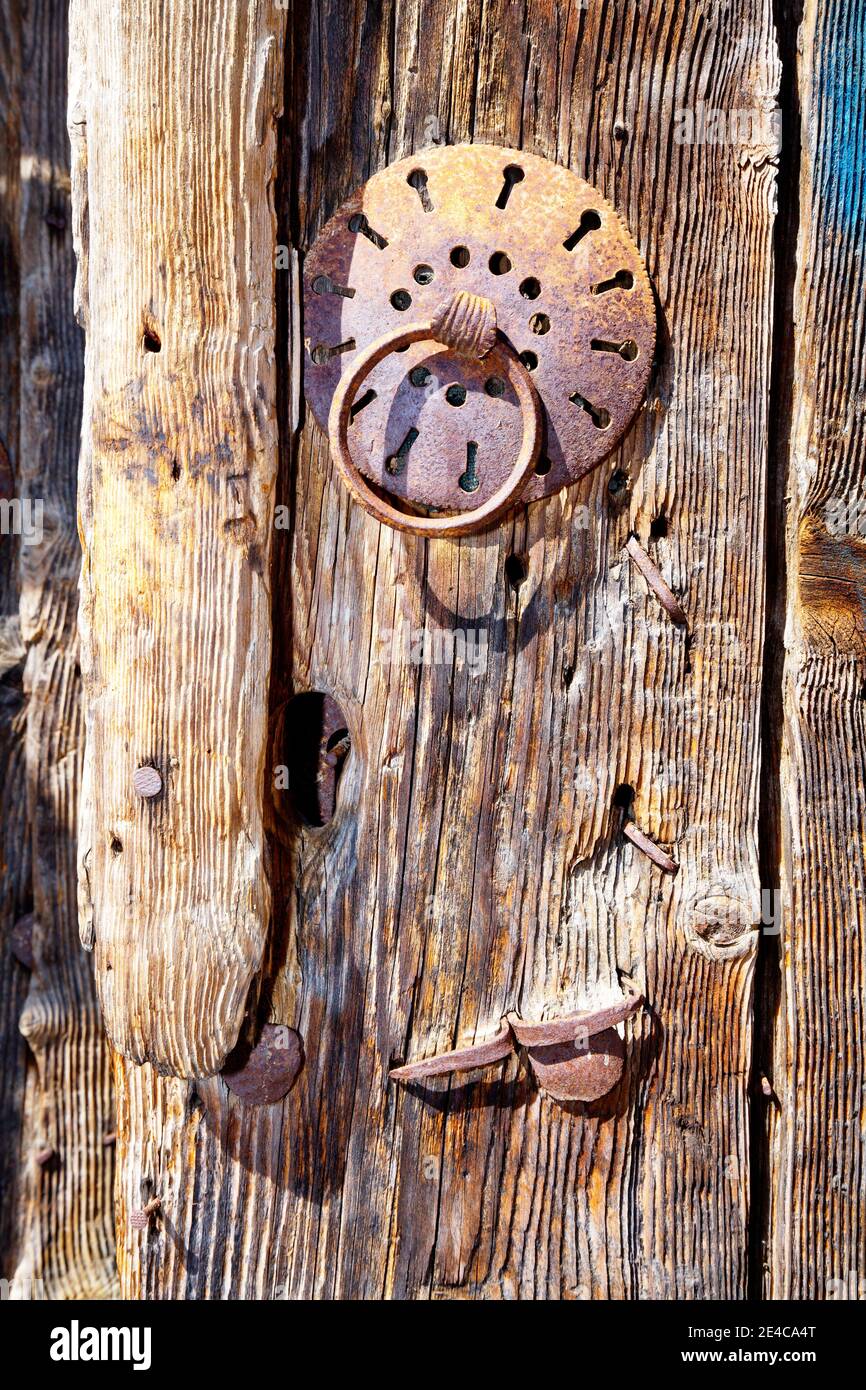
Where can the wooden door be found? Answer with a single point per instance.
(474, 861)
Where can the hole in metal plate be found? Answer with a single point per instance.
(589, 222)
(418, 180)
(358, 223)
(623, 280)
(469, 481)
(511, 174)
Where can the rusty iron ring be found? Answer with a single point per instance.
(464, 523)
(572, 297)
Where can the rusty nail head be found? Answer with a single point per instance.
(580, 1057)
(21, 941)
(264, 1074)
(139, 1217)
(147, 781)
(584, 1069)
(44, 1155)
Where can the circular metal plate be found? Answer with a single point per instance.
(580, 1070)
(572, 298)
(264, 1074)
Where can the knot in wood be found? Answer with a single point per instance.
(466, 323)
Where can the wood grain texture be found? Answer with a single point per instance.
(173, 113)
(816, 1233)
(473, 864)
(15, 892)
(62, 1207)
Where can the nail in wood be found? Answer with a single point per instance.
(650, 848)
(147, 781)
(139, 1217)
(665, 596)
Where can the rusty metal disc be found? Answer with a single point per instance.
(264, 1074)
(584, 1069)
(21, 941)
(572, 300)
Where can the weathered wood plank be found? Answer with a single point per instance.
(816, 1233)
(67, 1241)
(61, 1200)
(473, 862)
(178, 466)
(14, 843)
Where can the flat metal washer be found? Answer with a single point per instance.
(572, 299)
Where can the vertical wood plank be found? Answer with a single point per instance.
(61, 1200)
(14, 843)
(176, 497)
(816, 1234)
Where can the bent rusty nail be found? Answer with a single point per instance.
(572, 1026)
(665, 596)
(340, 749)
(139, 1217)
(579, 1057)
(462, 1059)
(650, 848)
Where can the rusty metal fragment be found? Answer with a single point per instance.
(264, 1074)
(571, 297)
(665, 595)
(577, 1057)
(649, 848)
(462, 1059)
(21, 941)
